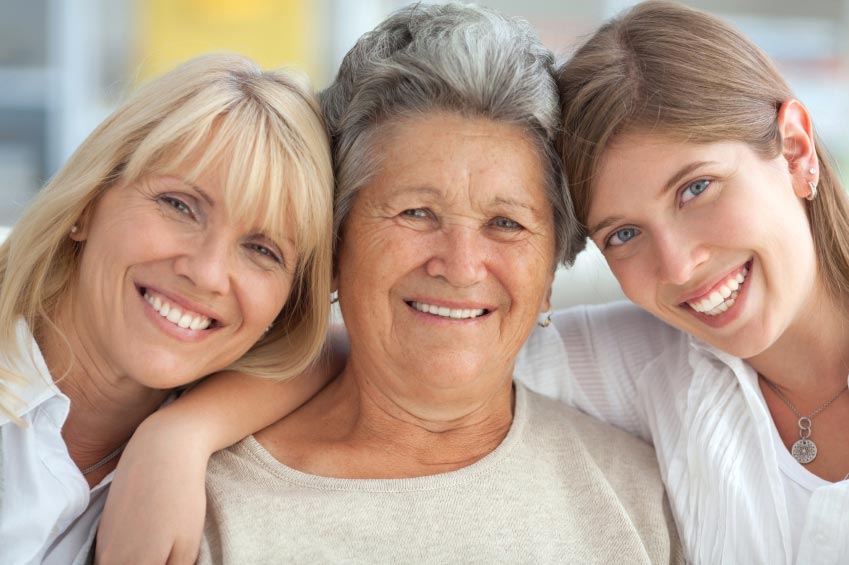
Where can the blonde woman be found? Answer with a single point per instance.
(189, 233)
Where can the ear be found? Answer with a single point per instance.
(797, 146)
(79, 231)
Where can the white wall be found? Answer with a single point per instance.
(589, 281)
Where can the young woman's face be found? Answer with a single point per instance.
(169, 288)
(710, 238)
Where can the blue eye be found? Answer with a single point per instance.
(177, 204)
(264, 251)
(506, 223)
(622, 236)
(416, 213)
(694, 189)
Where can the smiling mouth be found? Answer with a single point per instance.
(452, 313)
(178, 316)
(724, 294)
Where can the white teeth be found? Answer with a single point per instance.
(722, 299)
(715, 299)
(175, 315)
(442, 311)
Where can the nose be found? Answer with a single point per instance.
(678, 256)
(207, 263)
(458, 256)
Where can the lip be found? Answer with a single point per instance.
(451, 304)
(183, 334)
(734, 311)
(706, 289)
(183, 303)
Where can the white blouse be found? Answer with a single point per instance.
(48, 514)
(736, 493)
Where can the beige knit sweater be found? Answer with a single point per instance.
(561, 488)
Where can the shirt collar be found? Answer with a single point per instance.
(38, 385)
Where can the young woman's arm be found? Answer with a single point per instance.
(594, 357)
(156, 504)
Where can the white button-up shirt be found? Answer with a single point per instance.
(736, 493)
(48, 514)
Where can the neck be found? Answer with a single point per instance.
(106, 407)
(413, 433)
(811, 358)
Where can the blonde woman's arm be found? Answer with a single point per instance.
(156, 504)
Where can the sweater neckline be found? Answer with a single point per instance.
(253, 449)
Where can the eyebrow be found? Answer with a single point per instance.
(682, 172)
(514, 203)
(673, 181)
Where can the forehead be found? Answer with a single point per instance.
(449, 155)
(640, 166)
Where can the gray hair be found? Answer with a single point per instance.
(458, 58)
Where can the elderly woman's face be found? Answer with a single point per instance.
(447, 254)
(169, 288)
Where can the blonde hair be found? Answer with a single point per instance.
(265, 128)
(667, 69)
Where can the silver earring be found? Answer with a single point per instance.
(545, 323)
(268, 329)
(334, 297)
(75, 228)
(813, 193)
(812, 170)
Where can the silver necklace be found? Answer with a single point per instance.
(804, 450)
(105, 460)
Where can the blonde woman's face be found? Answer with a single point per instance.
(710, 238)
(169, 289)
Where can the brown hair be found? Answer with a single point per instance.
(667, 69)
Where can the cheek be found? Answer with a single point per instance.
(525, 271)
(636, 277)
(379, 257)
(263, 297)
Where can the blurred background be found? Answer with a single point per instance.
(65, 64)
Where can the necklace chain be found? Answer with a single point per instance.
(793, 408)
(805, 450)
(105, 460)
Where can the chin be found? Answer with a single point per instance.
(166, 376)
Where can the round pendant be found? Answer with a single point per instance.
(804, 451)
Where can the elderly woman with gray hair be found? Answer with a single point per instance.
(451, 218)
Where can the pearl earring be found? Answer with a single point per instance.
(75, 228)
